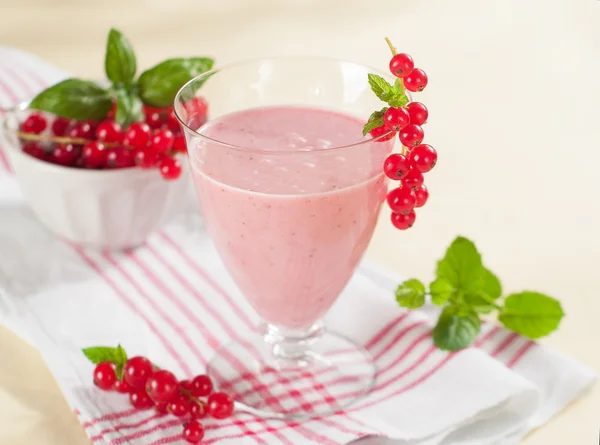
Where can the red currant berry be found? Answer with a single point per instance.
(81, 130)
(422, 195)
(119, 157)
(423, 157)
(140, 400)
(220, 405)
(104, 375)
(162, 386)
(198, 409)
(179, 406)
(154, 120)
(411, 135)
(123, 387)
(146, 158)
(136, 371)
(34, 149)
(35, 124)
(113, 111)
(413, 179)
(179, 145)
(109, 132)
(396, 166)
(173, 123)
(403, 221)
(401, 199)
(170, 168)
(197, 106)
(66, 155)
(380, 131)
(93, 155)
(193, 432)
(416, 80)
(202, 386)
(137, 135)
(60, 126)
(401, 65)
(162, 141)
(417, 112)
(395, 119)
(161, 408)
(186, 385)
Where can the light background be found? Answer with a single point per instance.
(514, 96)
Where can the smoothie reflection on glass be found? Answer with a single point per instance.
(290, 191)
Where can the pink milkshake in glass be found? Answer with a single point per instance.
(290, 190)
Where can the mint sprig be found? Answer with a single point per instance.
(465, 289)
(99, 354)
(82, 99)
(393, 95)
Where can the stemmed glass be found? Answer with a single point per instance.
(291, 223)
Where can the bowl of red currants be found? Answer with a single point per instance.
(103, 164)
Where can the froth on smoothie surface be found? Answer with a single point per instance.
(303, 143)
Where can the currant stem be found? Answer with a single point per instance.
(58, 139)
(392, 49)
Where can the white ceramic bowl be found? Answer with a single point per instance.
(112, 209)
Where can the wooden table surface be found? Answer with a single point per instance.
(514, 96)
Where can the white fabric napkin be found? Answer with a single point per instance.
(173, 301)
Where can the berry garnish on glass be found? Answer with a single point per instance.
(130, 122)
(149, 387)
(406, 119)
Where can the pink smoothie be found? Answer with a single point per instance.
(290, 214)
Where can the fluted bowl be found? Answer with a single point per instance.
(108, 209)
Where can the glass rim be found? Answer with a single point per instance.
(213, 71)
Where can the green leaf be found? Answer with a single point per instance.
(462, 267)
(531, 314)
(129, 108)
(491, 284)
(122, 358)
(98, 354)
(382, 89)
(398, 97)
(159, 85)
(119, 62)
(74, 99)
(441, 291)
(456, 328)
(411, 294)
(375, 121)
(483, 300)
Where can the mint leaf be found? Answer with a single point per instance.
(461, 266)
(456, 328)
(491, 284)
(483, 300)
(411, 294)
(129, 108)
(398, 97)
(531, 314)
(159, 85)
(441, 291)
(74, 99)
(375, 121)
(121, 357)
(98, 354)
(382, 89)
(119, 61)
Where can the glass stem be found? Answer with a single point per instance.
(290, 347)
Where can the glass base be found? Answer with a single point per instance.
(324, 375)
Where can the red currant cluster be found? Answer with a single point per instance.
(153, 143)
(149, 387)
(416, 158)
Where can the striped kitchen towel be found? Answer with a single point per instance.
(173, 301)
